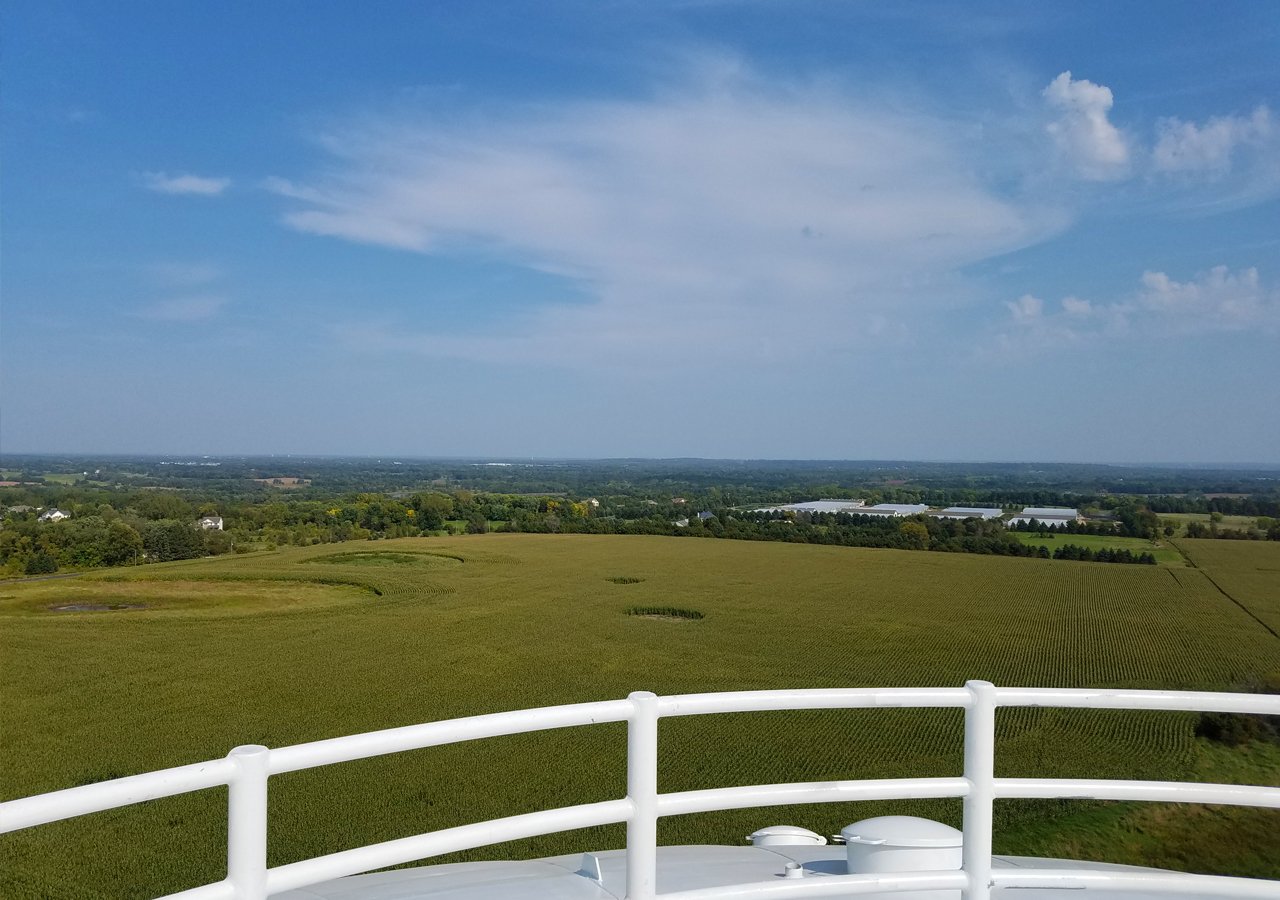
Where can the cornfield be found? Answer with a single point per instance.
(376, 635)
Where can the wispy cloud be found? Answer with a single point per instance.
(197, 308)
(197, 185)
(724, 217)
(1090, 144)
(183, 274)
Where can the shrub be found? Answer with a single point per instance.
(669, 612)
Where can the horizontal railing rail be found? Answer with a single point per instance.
(246, 770)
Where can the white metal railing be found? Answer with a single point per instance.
(246, 770)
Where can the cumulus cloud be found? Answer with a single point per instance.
(197, 185)
(1217, 298)
(722, 217)
(1215, 301)
(1188, 147)
(1085, 137)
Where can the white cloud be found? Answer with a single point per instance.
(1217, 298)
(1215, 301)
(723, 218)
(185, 184)
(1026, 309)
(1074, 306)
(1085, 136)
(184, 309)
(1188, 147)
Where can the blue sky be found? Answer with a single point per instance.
(724, 229)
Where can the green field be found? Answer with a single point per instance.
(308, 643)
(1165, 553)
(1243, 523)
(1246, 571)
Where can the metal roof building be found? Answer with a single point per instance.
(817, 506)
(1047, 515)
(894, 509)
(968, 512)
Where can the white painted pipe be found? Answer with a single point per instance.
(642, 791)
(247, 822)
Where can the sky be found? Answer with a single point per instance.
(752, 229)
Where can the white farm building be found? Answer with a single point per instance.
(968, 512)
(818, 506)
(894, 509)
(1047, 515)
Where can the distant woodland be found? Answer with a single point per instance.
(128, 511)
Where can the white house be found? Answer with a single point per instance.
(53, 515)
(210, 523)
(1047, 515)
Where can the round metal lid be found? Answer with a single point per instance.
(902, 831)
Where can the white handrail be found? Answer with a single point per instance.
(246, 771)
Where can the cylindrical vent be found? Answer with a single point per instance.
(904, 844)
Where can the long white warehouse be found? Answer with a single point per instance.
(893, 509)
(818, 506)
(1047, 515)
(968, 512)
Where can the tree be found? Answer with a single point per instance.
(170, 539)
(916, 534)
(41, 563)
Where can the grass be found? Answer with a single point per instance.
(529, 620)
(386, 558)
(1245, 523)
(168, 597)
(1166, 554)
(1238, 840)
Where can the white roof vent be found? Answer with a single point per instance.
(785, 835)
(904, 844)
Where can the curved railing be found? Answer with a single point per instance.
(246, 769)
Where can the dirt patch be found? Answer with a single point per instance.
(94, 607)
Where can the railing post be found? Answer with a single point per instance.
(247, 823)
(979, 771)
(642, 791)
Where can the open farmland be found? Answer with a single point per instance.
(1246, 571)
(388, 633)
(1181, 520)
(1165, 553)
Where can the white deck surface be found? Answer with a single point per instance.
(679, 868)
